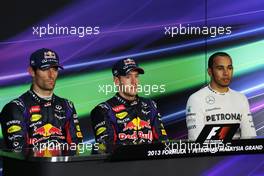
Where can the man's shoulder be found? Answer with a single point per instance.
(19, 101)
(237, 95)
(14, 105)
(199, 94)
(99, 112)
(101, 107)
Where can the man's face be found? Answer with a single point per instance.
(45, 79)
(128, 84)
(222, 71)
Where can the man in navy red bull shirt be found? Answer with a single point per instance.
(127, 118)
(39, 116)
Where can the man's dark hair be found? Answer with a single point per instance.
(34, 69)
(211, 58)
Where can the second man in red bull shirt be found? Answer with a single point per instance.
(127, 118)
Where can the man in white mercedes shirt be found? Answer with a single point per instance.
(217, 103)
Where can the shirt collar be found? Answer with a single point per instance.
(125, 101)
(37, 98)
(216, 92)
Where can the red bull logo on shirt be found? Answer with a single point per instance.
(48, 130)
(136, 135)
(137, 124)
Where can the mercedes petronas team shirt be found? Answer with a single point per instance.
(207, 106)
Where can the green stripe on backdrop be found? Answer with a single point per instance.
(175, 73)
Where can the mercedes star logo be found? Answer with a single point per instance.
(210, 99)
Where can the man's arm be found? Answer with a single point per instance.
(13, 125)
(104, 131)
(158, 129)
(72, 127)
(247, 125)
(194, 118)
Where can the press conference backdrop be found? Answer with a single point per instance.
(170, 39)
